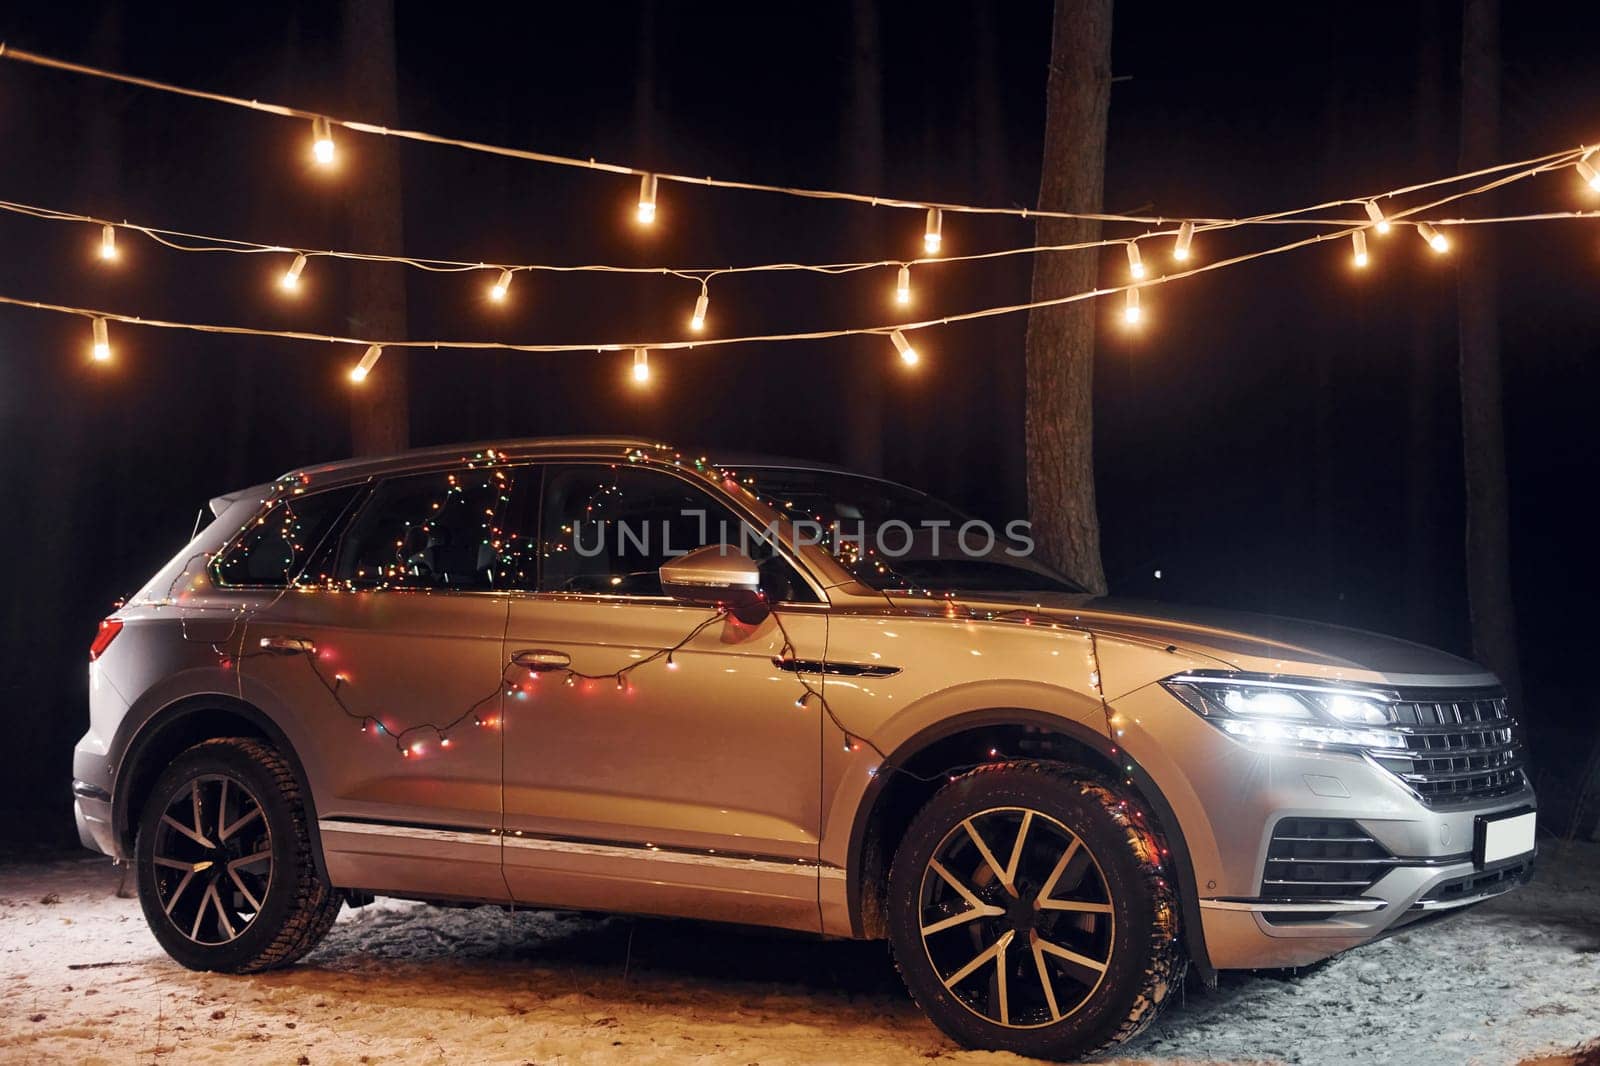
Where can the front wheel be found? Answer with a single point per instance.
(1028, 912)
(225, 874)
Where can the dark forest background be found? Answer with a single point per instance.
(1281, 436)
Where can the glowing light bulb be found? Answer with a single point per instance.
(1180, 248)
(641, 366)
(902, 286)
(291, 277)
(1436, 240)
(698, 320)
(1375, 213)
(1130, 311)
(502, 284)
(931, 235)
(359, 372)
(322, 141)
(1135, 262)
(102, 341)
(647, 199)
(908, 354)
(1359, 239)
(108, 242)
(1587, 172)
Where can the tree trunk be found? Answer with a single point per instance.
(1483, 434)
(380, 414)
(1060, 343)
(862, 152)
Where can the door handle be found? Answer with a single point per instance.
(289, 645)
(538, 659)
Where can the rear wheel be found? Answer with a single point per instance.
(1028, 912)
(225, 874)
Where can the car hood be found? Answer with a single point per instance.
(1241, 641)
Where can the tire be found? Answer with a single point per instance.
(1090, 969)
(223, 861)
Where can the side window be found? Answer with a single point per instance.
(274, 548)
(608, 529)
(431, 531)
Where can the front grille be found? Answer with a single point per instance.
(1459, 750)
(1322, 858)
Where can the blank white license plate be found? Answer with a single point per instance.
(1505, 838)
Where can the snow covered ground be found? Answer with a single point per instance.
(82, 981)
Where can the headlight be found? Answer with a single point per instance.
(1302, 713)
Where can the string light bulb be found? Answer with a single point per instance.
(1359, 239)
(502, 284)
(108, 242)
(1375, 213)
(902, 286)
(102, 341)
(1436, 240)
(1130, 311)
(291, 277)
(908, 354)
(697, 321)
(647, 199)
(369, 359)
(1135, 261)
(322, 141)
(1587, 172)
(641, 366)
(1180, 248)
(932, 236)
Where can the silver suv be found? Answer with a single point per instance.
(597, 674)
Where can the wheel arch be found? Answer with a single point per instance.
(892, 799)
(181, 725)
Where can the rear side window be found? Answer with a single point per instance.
(432, 531)
(275, 547)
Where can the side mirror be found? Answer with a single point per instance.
(717, 575)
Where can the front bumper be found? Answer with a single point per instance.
(1228, 797)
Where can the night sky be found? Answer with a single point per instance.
(1281, 436)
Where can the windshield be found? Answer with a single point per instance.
(898, 539)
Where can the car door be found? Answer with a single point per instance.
(378, 663)
(657, 759)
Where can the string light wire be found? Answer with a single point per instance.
(828, 334)
(37, 59)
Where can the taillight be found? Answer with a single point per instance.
(109, 628)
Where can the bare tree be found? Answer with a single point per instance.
(1494, 633)
(380, 412)
(1060, 343)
